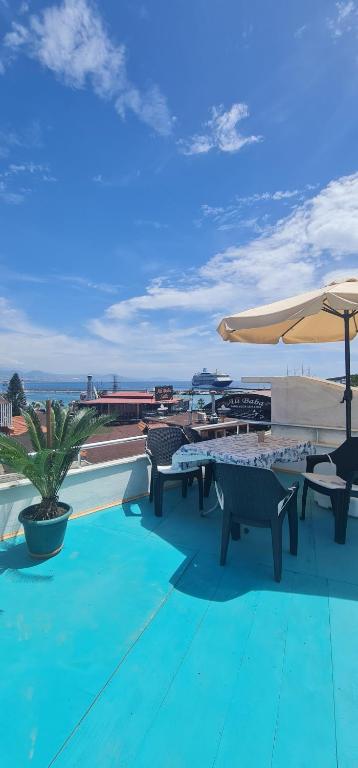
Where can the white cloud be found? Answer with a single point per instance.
(344, 20)
(220, 132)
(231, 216)
(84, 282)
(126, 180)
(289, 257)
(15, 169)
(300, 31)
(8, 140)
(150, 106)
(150, 223)
(171, 325)
(25, 345)
(71, 40)
(14, 172)
(7, 196)
(75, 281)
(24, 8)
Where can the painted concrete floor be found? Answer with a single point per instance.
(133, 648)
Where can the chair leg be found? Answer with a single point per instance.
(225, 537)
(276, 534)
(158, 496)
(304, 498)
(341, 505)
(151, 487)
(200, 487)
(208, 479)
(184, 487)
(293, 527)
(191, 480)
(235, 531)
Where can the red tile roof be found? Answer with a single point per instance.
(18, 426)
(130, 393)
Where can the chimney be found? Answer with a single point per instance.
(90, 394)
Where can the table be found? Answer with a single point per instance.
(245, 450)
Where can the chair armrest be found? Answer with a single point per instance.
(290, 497)
(151, 458)
(311, 461)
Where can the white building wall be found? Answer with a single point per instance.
(85, 489)
(302, 406)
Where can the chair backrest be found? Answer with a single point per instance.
(192, 435)
(163, 442)
(249, 492)
(345, 457)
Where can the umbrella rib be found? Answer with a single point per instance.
(325, 309)
(331, 311)
(292, 326)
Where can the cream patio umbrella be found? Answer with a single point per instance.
(328, 314)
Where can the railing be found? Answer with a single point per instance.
(106, 443)
(248, 423)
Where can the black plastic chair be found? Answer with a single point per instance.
(161, 444)
(339, 487)
(255, 497)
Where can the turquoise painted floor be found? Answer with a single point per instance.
(133, 648)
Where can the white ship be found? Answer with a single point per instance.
(211, 380)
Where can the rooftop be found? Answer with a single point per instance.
(119, 400)
(134, 647)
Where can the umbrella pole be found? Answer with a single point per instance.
(347, 392)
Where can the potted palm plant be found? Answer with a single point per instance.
(45, 523)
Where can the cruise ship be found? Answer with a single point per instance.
(209, 380)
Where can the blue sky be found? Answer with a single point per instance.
(166, 163)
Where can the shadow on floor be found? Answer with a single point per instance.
(15, 559)
(322, 567)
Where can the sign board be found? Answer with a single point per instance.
(246, 405)
(163, 393)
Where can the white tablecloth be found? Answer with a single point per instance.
(245, 450)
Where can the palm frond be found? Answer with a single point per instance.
(83, 425)
(11, 450)
(36, 434)
(48, 468)
(67, 421)
(60, 417)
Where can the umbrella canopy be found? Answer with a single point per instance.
(328, 314)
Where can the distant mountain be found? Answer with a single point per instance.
(6, 373)
(45, 376)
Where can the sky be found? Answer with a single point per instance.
(163, 164)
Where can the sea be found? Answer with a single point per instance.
(67, 391)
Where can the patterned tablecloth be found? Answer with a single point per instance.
(245, 450)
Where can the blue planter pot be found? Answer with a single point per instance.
(44, 538)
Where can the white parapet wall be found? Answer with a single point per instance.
(85, 489)
(307, 407)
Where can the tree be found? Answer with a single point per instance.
(48, 467)
(16, 395)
